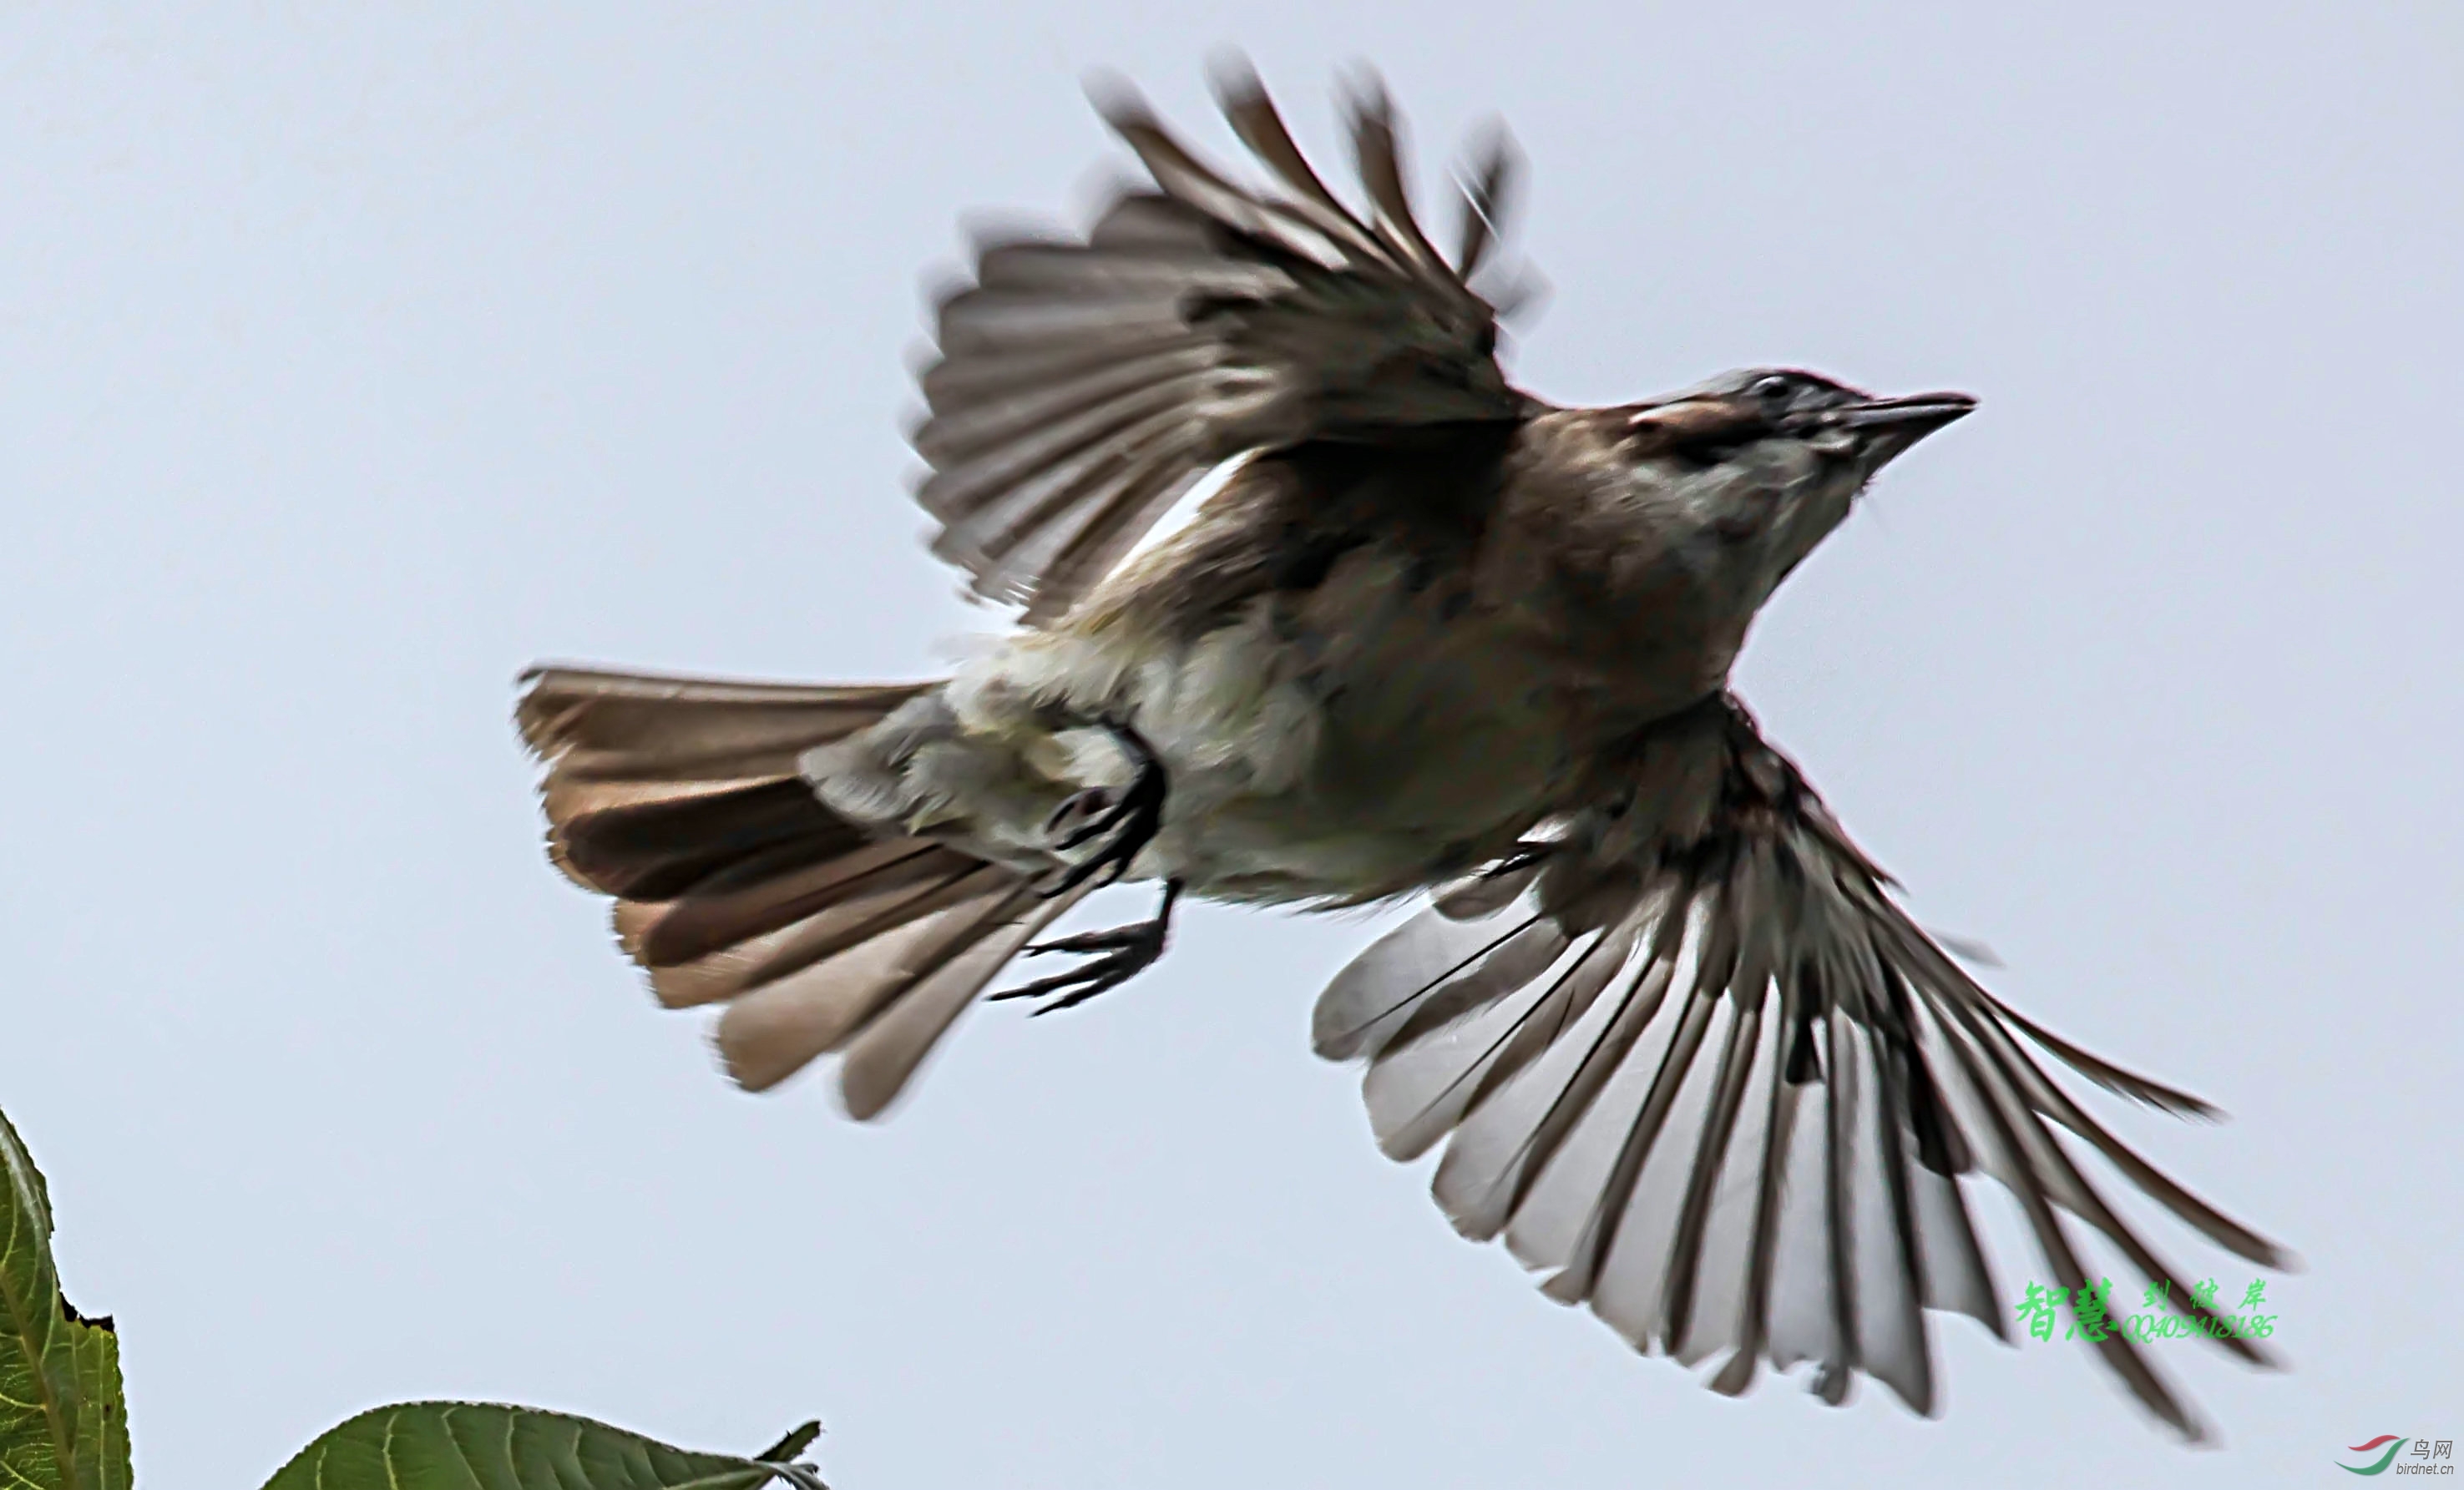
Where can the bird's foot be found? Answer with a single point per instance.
(1118, 821)
(1125, 951)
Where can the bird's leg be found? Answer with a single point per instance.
(1119, 822)
(1126, 951)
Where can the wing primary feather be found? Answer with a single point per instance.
(2104, 1073)
(1254, 118)
(1085, 518)
(1376, 141)
(2025, 1141)
(986, 373)
(1912, 1376)
(1465, 995)
(1406, 1116)
(1341, 1039)
(1956, 1274)
(1483, 1211)
(1185, 176)
(985, 481)
(1937, 967)
(2046, 1098)
(1645, 991)
(983, 425)
(1561, 1009)
(1998, 1049)
(1846, 1099)
(1686, 1253)
(1486, 200)
(1940, 1147)
(1745, 989)
(1021, 553)
(1717, 962)
(1110, 533)
(1737, 1376)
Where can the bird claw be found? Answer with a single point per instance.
(1119, 822)
(1118, 954)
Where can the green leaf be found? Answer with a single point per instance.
(799, 1439)
(63, 1419)
(483, 1446)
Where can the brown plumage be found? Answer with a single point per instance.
(734, 885)
(1687, 1056)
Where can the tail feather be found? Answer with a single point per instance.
(603, 726)
(864, 912)
(885, 1052)
(682, 800)
(658, 849)
(864, 890)
(885, 1000)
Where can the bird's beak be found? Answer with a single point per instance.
(1885, 428)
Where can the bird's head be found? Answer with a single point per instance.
(1755, 467)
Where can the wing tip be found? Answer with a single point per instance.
(1118, 101)
(1332, 1036)
(1235, 78)
(1365, 93)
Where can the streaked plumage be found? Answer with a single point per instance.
(1686, 1055)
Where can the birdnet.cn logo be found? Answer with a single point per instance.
(2425, 1459)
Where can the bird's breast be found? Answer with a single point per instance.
(1362, 736)
(1392, 722)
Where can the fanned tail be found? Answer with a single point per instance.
(685, 799)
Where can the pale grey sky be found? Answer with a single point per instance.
(352, 358)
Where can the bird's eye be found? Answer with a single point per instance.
(1775, 389)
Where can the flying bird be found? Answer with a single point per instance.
(1431, 637)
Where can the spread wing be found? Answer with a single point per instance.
(1696, 1066)
(1080, 387)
